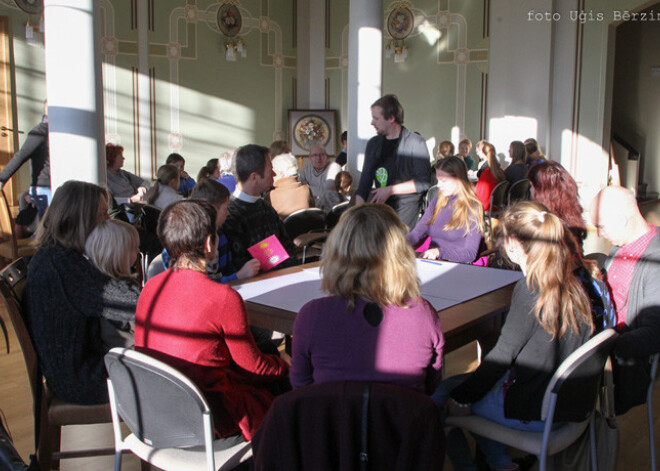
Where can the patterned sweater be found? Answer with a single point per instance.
(249, 223)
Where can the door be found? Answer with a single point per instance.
(8, 135)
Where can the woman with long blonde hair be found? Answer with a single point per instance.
(490, 177)
(373, 325)
(454, 219)
(549, 318)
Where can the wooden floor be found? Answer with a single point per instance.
(16, 403)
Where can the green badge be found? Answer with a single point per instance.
(381, 177)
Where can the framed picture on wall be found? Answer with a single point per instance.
(307, 127)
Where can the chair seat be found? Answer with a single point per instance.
(65, 413)
(530, 442)
(189, 459)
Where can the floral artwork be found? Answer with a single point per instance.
(229, 20)
(307, 127)
(400, 23)
(311, 129)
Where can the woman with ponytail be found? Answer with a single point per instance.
(454, 219)
(490, 177)
(549, 318)
(164, 193)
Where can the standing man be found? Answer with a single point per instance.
(397, 161)
(318, 173)
(34, 149)
(632, 274)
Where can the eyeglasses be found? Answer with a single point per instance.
(317, 155)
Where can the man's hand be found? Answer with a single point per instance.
(248, 270)
(184, 174)
(380, 195)
(431, 254)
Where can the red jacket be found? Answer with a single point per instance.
(200, 327)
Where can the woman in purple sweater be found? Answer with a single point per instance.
(454, 219)
(374, 325)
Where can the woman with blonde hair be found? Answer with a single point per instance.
(373, 325)
(490, 176)
(112, 248)
(454, 219)
(549, 318)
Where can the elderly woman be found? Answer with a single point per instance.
(454, 219)
(123, 185)
(200, 326)
(288, 194)
(67, 296)
(373, 325)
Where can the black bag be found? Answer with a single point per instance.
(10, 460)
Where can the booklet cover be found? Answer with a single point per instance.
(269, 252)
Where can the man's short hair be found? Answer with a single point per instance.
(344, 136)
(212, 191)
(174, 158)
(250, 158)
(391, 107)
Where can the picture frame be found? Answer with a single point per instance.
(309, 126)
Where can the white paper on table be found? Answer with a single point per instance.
(461, 282)
(443, 284)
(248, 291)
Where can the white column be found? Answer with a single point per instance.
(74, 86)
(365, 76)
(311, 54)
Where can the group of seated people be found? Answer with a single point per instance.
(373, 324)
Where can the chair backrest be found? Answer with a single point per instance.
(576, 382)
(335, 213)
(346, 424)
(519, 191)
(160, 405)
(7, 224)
(498, 196)
(304, 220)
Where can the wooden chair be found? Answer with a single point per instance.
(50, 412)
(13, 248)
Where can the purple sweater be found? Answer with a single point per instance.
(332, 344)
(454, 245)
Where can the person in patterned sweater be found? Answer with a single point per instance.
(251, 219)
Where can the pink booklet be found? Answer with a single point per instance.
(269, 252)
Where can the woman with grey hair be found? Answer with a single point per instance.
(288, 194)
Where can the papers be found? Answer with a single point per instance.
(443, 284)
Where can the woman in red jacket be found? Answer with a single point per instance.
(200, 327)
(490, 177)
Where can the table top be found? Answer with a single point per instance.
(462, 323)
